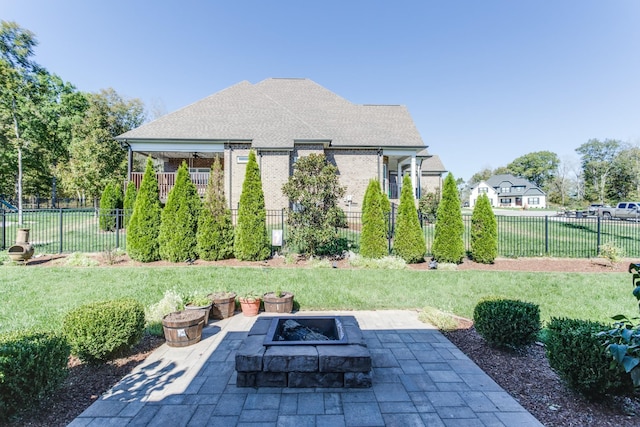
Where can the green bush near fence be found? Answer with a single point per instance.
(177, 236)
(144, 225)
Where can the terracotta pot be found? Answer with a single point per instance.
(275, 304)
(224, 304)
(250, 306)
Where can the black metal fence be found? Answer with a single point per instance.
(78, 230)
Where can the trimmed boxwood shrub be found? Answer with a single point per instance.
(103, 330)
(581, 359)
(505, 323)
(32, 366)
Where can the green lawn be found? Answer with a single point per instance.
(39, 297)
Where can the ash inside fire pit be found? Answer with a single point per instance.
(306, 331)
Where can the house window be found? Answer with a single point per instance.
(483, 190)
(242, 159)
(518, 189)
(505, 201)
(505, 190)
(533, 201)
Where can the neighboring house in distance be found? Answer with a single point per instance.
(283, 119)
(509, 191)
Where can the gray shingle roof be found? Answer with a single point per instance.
(276, 112)
(508, 181)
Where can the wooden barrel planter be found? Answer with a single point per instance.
(224, 304)
(205, 308)
(183, 328)
(278, 304)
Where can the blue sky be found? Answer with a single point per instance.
(485, 81)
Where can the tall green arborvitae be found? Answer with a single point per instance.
(129, 202)
(408, 243)
(179, 225)
(144, 225)
(484, 232)
(251, 242)
(373, 240)
(107, 202)
(215, 228)
(448, 244)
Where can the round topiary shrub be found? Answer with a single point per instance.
(507, 323)
(580, 357)
(103, 330)
(32, 366)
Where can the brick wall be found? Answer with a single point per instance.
(355, 169)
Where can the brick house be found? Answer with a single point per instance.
(283, 119)
(506, 190)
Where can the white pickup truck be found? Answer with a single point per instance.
(624, 210)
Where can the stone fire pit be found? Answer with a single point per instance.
(304, 352)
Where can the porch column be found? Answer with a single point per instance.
(413, 175)
(129, 162)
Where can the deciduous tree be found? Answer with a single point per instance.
(314, 191)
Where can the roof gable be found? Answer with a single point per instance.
(276, 112)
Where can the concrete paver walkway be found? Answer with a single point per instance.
(419, 378)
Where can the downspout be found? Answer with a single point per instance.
(230, 175)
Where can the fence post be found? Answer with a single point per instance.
(546, 234)
(118, 228)
(4, 230)
(391, 220)
(598, 238)
(61, 232)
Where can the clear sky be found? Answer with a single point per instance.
(486, 81)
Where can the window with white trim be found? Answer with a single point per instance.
(533, 201)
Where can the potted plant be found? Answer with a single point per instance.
(278, 301)
(183, 328)
(223, 304)
(197, 301)
(250, 304)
